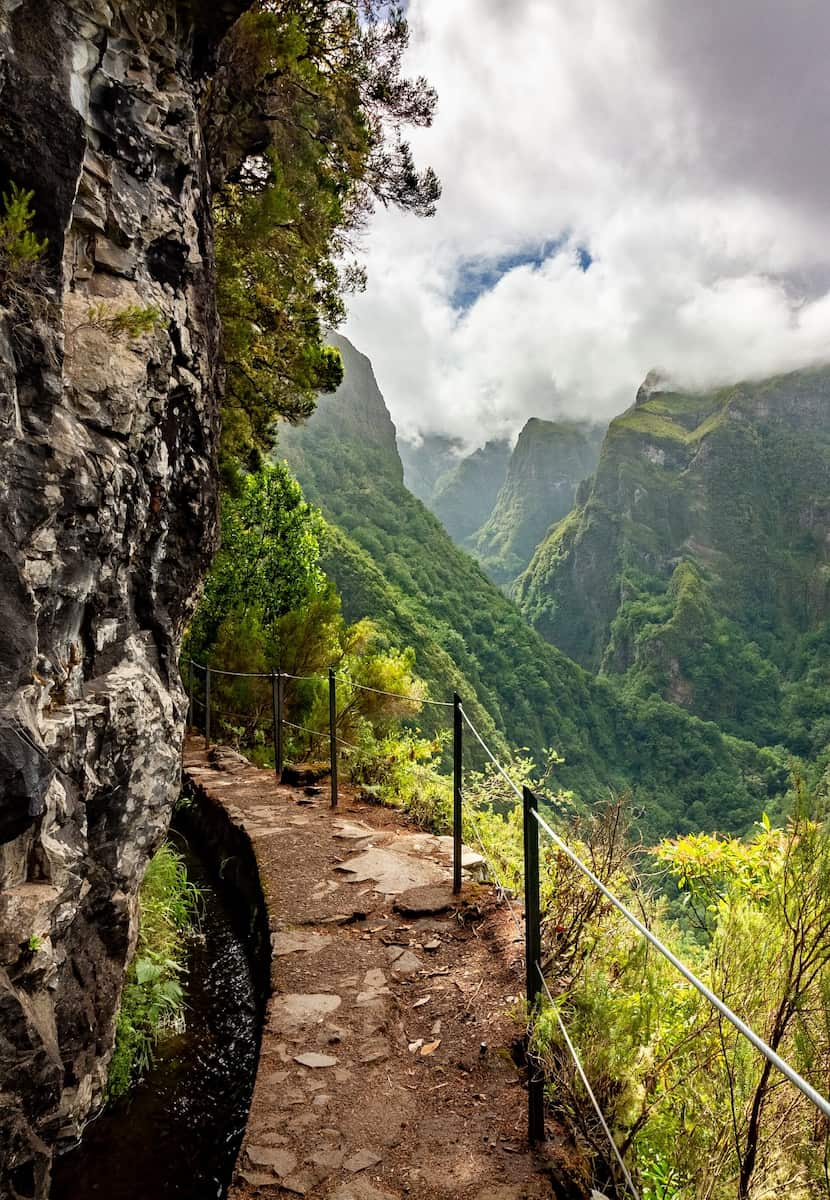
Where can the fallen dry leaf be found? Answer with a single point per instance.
(430, 1048)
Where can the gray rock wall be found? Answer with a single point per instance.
(107, 521)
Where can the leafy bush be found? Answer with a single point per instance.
(153, 1000)
(696, 1110)
(401, 769)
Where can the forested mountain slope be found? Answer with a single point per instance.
(392, 561)
(550, 460)
(698, 564)
(464, 496)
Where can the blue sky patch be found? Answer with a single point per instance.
(479, 275)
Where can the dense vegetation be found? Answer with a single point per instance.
(549, 462)
(393, 562)
(702, 592)
(307, 108)
(153, 1001)
(464, 495)
(696, 568)
(698, 1112)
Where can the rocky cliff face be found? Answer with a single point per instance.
(698, 563)
(356, 412)
(550, 460)
(107, 520)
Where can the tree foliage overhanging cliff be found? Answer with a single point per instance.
(307, 111)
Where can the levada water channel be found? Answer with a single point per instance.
(177, 1134)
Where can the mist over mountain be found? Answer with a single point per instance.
(464, 496)
(427, 460)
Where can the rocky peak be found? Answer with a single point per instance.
(355, 413)
(549, 461)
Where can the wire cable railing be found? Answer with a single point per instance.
(364, 687)
(278, 721)
(532, 812)
(534, 823)
(629, 1182)
(324, 737)
(536, 966)
(751, 1036)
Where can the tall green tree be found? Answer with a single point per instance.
(307, 112)
(268, 562)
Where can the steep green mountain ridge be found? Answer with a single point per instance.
(550, 460)
(393, 562)
(698, 564)
(463, 497)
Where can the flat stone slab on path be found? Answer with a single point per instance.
(392, 871)
(298, 941)
(294, 1010)
(425, 901)
(315, 1061)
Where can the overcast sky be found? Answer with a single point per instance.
(628, 184)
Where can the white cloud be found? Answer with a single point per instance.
(681, 144)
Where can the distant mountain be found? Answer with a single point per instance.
(463, 497)
(394, 562)
(550, 460)
(697, 565)
(426, 461)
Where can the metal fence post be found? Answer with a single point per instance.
(456, 793)
(191, 711)
(333, 734)
(276, 707)
(280, 702)
(207, 707)
(533, 959)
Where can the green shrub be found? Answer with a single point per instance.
(153, 1000)
(21, 250)
(401, 769)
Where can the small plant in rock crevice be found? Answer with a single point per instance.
(130, 322)
(22, 275)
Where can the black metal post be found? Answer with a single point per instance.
(533, 959)
(191, 711)
(276, 708)
(456, 793)
(280, 686)
(333, 734)
(207, 708)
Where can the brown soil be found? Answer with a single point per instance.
(417, 1018)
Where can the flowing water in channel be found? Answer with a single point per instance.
(176, 1136)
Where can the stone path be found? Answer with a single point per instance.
(386, 1069)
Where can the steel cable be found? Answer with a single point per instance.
(581, 1070)
(363, 687)
(751, 1036)
(786, 1070)
(490, 755)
